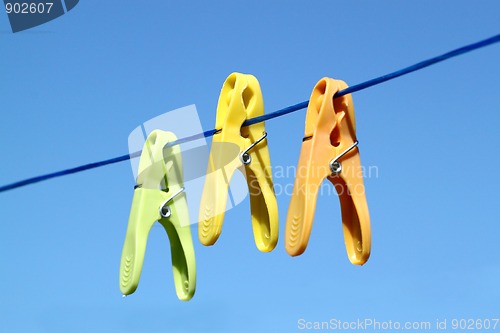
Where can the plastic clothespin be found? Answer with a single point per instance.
(233, 147)
(329, 150)
(159, 196)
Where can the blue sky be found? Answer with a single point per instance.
(73, 89)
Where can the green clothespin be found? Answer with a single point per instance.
(159, 196)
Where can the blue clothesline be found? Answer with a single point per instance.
(272, 115)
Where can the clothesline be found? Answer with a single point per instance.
(269, 116)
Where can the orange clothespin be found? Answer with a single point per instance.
(329, 150)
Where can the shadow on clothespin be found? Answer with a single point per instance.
(330, 150)
(159, 196)
(240, 99)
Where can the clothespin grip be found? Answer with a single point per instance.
(245, 148)
(329, 150)
(159, 196)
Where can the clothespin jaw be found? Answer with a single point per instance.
(159, 196)
(245, 148)
(329, 150)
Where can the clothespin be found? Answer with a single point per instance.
(245, 148)
(330, 150)
(159, 196)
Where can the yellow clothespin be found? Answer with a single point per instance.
(233, 147)
(159, 196)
